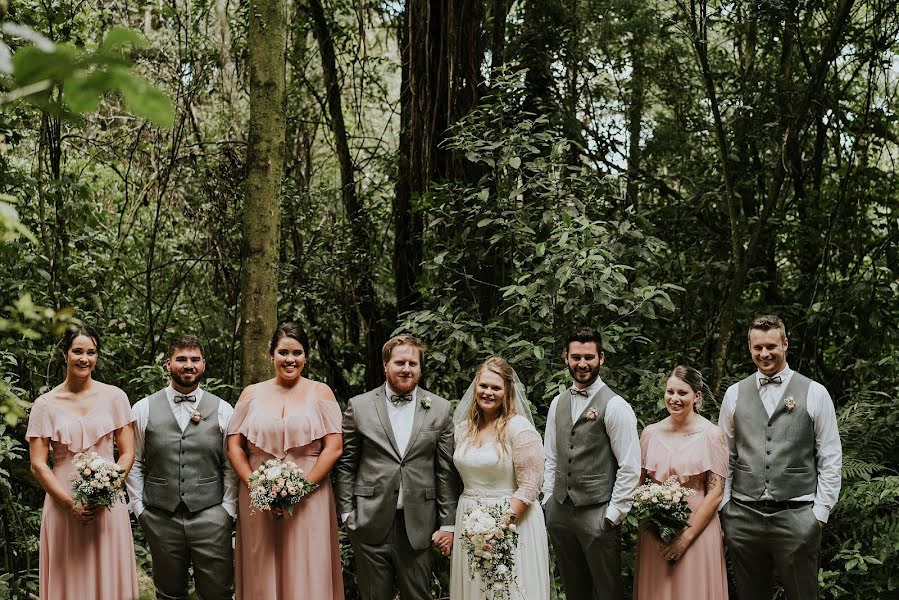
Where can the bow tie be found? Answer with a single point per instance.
(179, 398)
(576, 391)
(400, 399)
(766, 380)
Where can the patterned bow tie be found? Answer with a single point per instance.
(576, 391)
(179, 398)
(766, 380)
(400, 399)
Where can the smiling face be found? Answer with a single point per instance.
(768, 350)
(490, 393)
(81, 357)
(289, 358)
(186, 366)
(583, 361)
(403, 369)
(680, 397)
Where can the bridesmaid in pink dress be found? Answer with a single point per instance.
(691, 447)
(85, 551)
(278, 555)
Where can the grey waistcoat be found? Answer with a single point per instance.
(183, 467)
(777, 453)
(585, 464)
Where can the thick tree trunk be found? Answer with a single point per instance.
(635, 113)
(265, 167)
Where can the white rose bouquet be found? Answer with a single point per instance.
(490, 540)
(278, 484)
(97, 481)
(662, 507)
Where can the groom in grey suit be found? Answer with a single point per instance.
(182, 488)
(396, 485)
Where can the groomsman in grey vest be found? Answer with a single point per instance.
(592, 469)
(182, 489)
(397, 488)
(784, 478)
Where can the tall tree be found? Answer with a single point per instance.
(265, 168)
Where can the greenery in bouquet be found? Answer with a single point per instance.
(662, 507)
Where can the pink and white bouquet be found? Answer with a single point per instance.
(97, 481)
(663, 507)
(278, 484)
(490, 539)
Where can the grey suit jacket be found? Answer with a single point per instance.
(371, 468)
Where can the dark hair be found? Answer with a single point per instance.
(65, 344)
(767, 323)
(402, 340)
(291, 330)
(694, 379)
(185, 341)
(585, 335)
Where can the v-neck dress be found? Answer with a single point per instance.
(83, 561)
(297, 556)
(700, 572)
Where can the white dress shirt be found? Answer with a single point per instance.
(621, 427)
(401, 418)
(182, 412)
(828, 450)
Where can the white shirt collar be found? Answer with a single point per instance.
(171, 392)
(390, 393)
(592, 388)
(784, 375)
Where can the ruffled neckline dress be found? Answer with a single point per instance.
(297, 557)
(83, 561)
(701, 571)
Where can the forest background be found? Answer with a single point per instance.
(485, 174)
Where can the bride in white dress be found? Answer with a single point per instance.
(499, 455)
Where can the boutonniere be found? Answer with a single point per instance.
(195, 416)
(425, 402)
(591, 414)
(790, 403)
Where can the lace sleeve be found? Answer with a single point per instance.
(527, 458)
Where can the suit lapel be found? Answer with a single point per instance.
(381, 408)
(417, 420)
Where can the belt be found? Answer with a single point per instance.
(774, 505)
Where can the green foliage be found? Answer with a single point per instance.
(540, 224)
(84, 77)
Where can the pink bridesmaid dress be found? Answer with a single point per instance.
(700, 572)
(78, 561)
(296, 557)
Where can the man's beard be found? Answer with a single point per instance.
(401, 385)
(594, 373)
(179, 379)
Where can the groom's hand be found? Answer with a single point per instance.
(443, 541)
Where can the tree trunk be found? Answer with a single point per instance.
(635, 112)
(366, 301)
(265, 167)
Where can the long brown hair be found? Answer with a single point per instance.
(475, 417)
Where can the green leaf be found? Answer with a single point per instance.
(514, 162)
(147, 101)
(538, 352)
(121, 37)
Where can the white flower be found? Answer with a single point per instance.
(273, 473)
(97, 464)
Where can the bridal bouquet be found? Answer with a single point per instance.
(490, 540)
(662, 507)
(97, 481)
(278, 484)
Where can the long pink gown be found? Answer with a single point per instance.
(83, 561)
(296, 557)
(700, 572)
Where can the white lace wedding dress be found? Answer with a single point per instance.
(490, 475)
